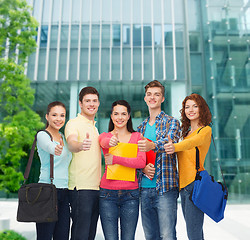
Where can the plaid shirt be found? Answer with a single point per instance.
(167, 175)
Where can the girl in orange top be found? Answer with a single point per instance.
(196, 132)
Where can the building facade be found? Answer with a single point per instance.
(118, 46)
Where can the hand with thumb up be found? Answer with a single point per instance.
(145, 145)
(59, 148)
(86, 144)
(114, 139)
(169, 147)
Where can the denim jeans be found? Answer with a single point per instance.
(58, 230)
(115, 205)
(194, 217)
(84, 213)
(159, 214)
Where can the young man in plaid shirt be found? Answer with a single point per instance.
(159, 182)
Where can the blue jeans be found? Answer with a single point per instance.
(159, 214)
(115, 204)
(194, 217)
(58, 230)
(84, 213)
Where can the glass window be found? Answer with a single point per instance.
(94, 67)
(168, 31)
(44, 36)
(105, 35)
(74, 36)
(137, 64)
(96, 11)
(146, 11)
(169, 63)
(41, 64)
(95, 35)
(52, 65)
(31, 66)
(126, 64)
(157, 11)
(158, 63)
(62, 64)
(178, 11)
(64, 36)
(85, 36)
(180, 63)
(76, 11)
(85, 11)
(157, 35)
(116, 11)
(66, 12)
(84, 64)
(126, 11)
(46, 12)
(115, 64)
(148, 75)
(36, 9)
(136, 35)
(106, 11)
(136, 11)
(196, 68)
(167, 12)
(116, 34)
(53, 36)
(179, 35)
(73, 64)
(56, 11)
(147, 35)
(126, 34)
(105, 67)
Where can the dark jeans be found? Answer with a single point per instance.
(84, 213)
(115, 205)
(58, 230)
(194, 217)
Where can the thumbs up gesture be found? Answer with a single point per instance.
(145, 145)
(86, 144)
(59, 148)
(169, 147)
(114, 139)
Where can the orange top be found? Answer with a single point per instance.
(186, 154)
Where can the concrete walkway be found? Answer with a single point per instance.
(235, 225)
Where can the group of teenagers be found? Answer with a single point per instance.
(84, 195)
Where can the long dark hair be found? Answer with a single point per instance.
(205, 116)
(51, 105)
(129, 123)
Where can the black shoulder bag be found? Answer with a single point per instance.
(208, 195)
(37, 202)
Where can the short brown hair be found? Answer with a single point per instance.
(155, 83)
(87, 90)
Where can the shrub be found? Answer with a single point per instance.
(11, 235)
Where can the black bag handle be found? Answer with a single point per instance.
(27, 170)
(198, 161)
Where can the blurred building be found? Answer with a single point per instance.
(118, 46)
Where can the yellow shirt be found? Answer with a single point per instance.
(85, 167)
(186, 154)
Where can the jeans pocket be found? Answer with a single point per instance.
(189, 187)
(134, 194)
(104, 195)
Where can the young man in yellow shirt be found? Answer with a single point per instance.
(85, 167)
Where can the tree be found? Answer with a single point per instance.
(19, 121)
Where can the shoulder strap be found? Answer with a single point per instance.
(198, 155)
(27, 170)
(198, 160)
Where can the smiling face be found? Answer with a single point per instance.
(56, 117)
(120, 116)
(192, 110)
(89, 106)
(154, 98)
